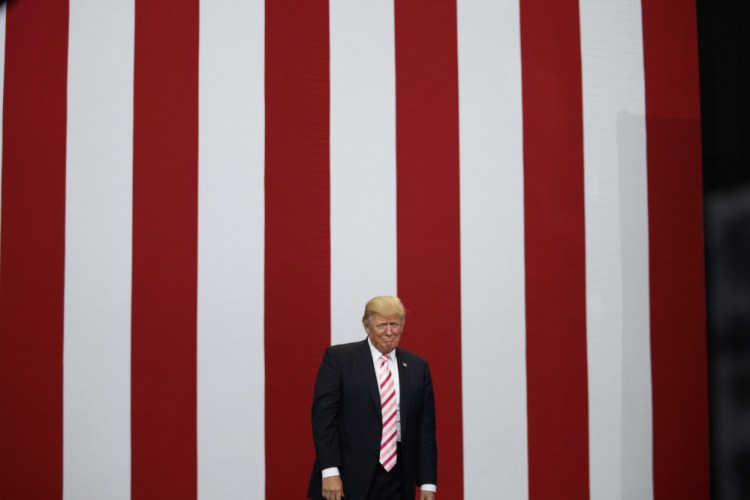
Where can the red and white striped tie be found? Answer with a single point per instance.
(388, 409)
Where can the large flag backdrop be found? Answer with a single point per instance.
(199, 196)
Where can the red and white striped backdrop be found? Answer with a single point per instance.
(198, 196)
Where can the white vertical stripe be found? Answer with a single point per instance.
(98, 242)
(492, 253)
(231, 453)
(363, 160)
(616, 250)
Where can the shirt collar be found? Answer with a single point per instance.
(376, 354)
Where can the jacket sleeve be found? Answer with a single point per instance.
(427, 442)
(326, 411)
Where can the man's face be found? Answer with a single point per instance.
(384, 331)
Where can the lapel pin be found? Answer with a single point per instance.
(403, 363)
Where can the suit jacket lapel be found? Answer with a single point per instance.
(368, 368)
(404, 382)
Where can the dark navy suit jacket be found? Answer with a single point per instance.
(347, 425)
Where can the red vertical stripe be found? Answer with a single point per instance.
(165, 210)
(429, 280)
(32, 257)
(297, 257)
(555, 250)
(678, 321)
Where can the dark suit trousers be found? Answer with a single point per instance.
(387, 485)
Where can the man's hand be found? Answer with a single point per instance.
(333, 488)
(427, 495)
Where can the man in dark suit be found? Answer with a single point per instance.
(373, 416)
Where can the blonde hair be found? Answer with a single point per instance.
(384, 305)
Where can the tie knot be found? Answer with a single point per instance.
(385, 357)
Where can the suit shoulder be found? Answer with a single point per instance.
(348, 346)
(344, 349)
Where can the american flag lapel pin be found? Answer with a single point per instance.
(404, 363)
